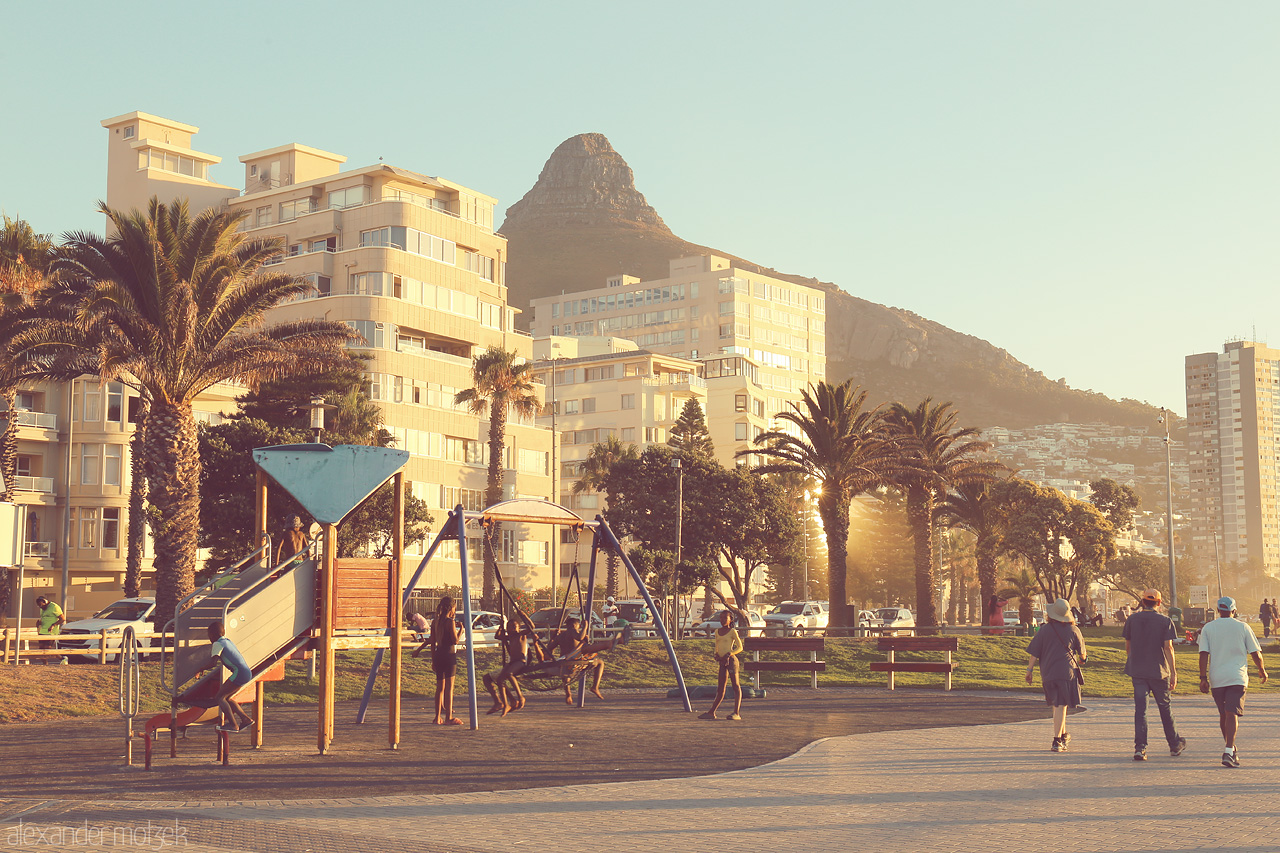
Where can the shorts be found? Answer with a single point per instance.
(1059, 692)
(1230, 699)
(445, 665)
(730, 667)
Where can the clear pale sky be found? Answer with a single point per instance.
(1090, 185)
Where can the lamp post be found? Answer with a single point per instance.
(1168, 510)
(555, 472)
(675, 594)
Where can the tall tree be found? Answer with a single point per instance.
(1116, 501)
(833, 439)
(595, 478)
(25, 261)
(934, 455)
(1025, 587)
(973, 507)
(178, 303)
(689, 434)
(502, 385)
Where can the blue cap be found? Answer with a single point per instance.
(1226, 603)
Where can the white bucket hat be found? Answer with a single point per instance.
(1060, 611)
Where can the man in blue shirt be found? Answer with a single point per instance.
(1148, 642)
(225, 653)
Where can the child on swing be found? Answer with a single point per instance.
(514, 636)
(571, 644)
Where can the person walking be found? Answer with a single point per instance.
(1226, 644)
(1148, 645)
(49, 621)
(1059, 650)
(1264, 616)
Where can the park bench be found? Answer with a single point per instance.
(812, 645)
(889, 645)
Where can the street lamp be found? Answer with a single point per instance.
(555, 471)
(1168, 510)
(675, 595)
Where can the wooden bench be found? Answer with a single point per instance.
(812, 645)
(889, 645)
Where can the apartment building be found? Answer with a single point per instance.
(759, 341)
(1233, 405)
(410, 261)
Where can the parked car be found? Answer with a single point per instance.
(82, 635)
(867, 619)
(895, 617)
(484, 628)
(755, 625)
(549, 618)
(1011, 617)
(797, 618)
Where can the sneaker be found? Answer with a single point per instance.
(1230, 759)
(1179, 747)
(734, 717)
(1139, 753)
(1058, 745)
(707, 715)
(1066, 739)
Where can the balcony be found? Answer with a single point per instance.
(40, 420)
(38, 549)
(43, 485)
(676, 380)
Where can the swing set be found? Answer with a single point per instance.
(551, 671)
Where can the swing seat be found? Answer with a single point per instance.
(550, 675)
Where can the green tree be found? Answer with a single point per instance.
(595, 478)
(934, 456)
(287, 402)
(838, 443)
(1066, 542)
(971, 506)
(1133, 573)
(178, 304)
(642, 501)
(689, 434)
(502, 385)
(1025, 587)
(1117, 502)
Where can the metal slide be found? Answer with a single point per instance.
(268, 614)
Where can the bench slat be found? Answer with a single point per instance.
(918, 644)
(784, 644)
(911, 666)
(785, 665)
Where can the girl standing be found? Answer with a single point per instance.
(444, 659)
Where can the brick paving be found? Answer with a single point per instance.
(952, 790)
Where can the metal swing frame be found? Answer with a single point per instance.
(525, 511)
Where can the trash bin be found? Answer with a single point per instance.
(1020, 631)
(1175, 614)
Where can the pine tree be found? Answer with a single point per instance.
(689, 434)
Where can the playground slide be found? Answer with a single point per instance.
(189, 717)
(268, 614)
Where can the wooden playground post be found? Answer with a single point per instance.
(259, 713)
(324, 735)
(260, 512)
(395, 605)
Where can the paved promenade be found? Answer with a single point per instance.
(984, 788)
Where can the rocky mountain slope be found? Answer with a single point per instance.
(584, 220)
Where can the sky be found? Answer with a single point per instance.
(1091, 186)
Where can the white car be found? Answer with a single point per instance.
(82, 635)
(797, 618)
(755, 625)
(895, 617)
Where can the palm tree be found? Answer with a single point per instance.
(971, 506)
(934, 455)
(502, 384)
(839, 445)
(595, 475)
(25, 258)
(1024, 587)
(175, 304)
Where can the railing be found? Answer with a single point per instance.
(38, 549)
(42, 420)
(44, 485)
(675, 379)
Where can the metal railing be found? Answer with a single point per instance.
(37, 549)
(41, 420)
(43, 485)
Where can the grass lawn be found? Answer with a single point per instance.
(33, 693)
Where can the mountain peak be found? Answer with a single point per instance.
(585, 181)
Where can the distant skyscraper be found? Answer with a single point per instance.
(1233, 403)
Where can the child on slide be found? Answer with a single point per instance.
(225, 653)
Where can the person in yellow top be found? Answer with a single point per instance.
(728, 645)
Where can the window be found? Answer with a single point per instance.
(115, 402)
(588, 405)
(114, 458)
(509, 546)
(111, 528)
(628, 433)
(88, 528)
(89, 461)
(262, 217)
(324, 244)
(253, 170)
(350, 197)
(596, 374)
(571, 407)
(740, 402)
(130, 132)
(628, 401)
(290, 210)
(91, 412)
(653, 434)
(740, 432)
